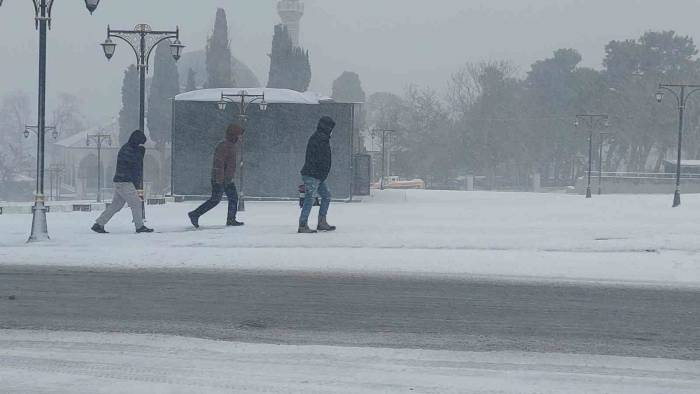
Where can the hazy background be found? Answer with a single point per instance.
(390, 43)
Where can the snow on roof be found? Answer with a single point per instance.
(78, 140)
(272, 96)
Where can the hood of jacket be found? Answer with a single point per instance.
(326, 125)
(233, 133)
(137, 138)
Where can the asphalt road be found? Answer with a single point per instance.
(356, 310)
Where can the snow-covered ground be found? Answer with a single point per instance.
(636, 239)
(57, 362)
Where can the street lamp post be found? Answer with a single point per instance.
(591, 121)
(35, 129)
(42, 21)
(243, 100)
(142, 39)
(603, 135)
(384, 133)
(679, 92)
(55, 172)
(98, 139)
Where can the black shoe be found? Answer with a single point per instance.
(234, 223)
(99, 229)
(144, 229)
(194, 219)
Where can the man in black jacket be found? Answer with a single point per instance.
(128, 180)
(314, 174)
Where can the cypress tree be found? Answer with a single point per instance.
(129, 114)
(164, 86)
(290, 67)
(348, 88)
(219, 63)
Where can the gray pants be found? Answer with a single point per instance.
(124, 193)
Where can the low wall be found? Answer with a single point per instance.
(67, 206)
(638, 185)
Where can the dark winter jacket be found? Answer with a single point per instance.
(318, 151)
(130, 160)
(224, 167)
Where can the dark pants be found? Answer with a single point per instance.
(217, 192)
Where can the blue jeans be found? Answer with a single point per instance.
(312, 186)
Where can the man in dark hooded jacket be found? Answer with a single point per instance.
(222, 174)
(128, 180)
(314, 174)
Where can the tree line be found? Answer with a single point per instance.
(505, 126)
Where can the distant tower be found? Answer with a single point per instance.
(291, 12)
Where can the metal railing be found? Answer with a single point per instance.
(642, 175)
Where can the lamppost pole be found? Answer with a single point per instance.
(243, 100)
(384, 133)
(603, 134)
(99, 139)
(142, 39)
(55, 172)
(42, 21)
(35, 129)
(591, 121)
(679, 92)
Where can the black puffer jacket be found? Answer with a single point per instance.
(130, 160)
(318, 151)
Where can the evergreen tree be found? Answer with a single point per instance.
(164, 86)
(219, 63)
(289, 66)
(348, 88)
(191, 80)
(129, 114)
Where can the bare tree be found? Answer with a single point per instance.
(68, 115)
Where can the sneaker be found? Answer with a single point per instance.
(144, 229)
(194, 219)
(234, 223)
(99, 229)
(306, 230)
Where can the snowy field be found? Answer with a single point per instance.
(39, 362)
(618, 238)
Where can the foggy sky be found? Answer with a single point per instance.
(390, 43)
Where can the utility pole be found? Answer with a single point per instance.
(98, 140)
(679, 92)
(55, 172)
(591, 121)
(142, 39)
(384, 133)
(42, 22)
(243, 100)
(603, 136)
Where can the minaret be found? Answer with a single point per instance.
(291, 12)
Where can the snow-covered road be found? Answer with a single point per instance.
(71, 362)
(616, 238)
